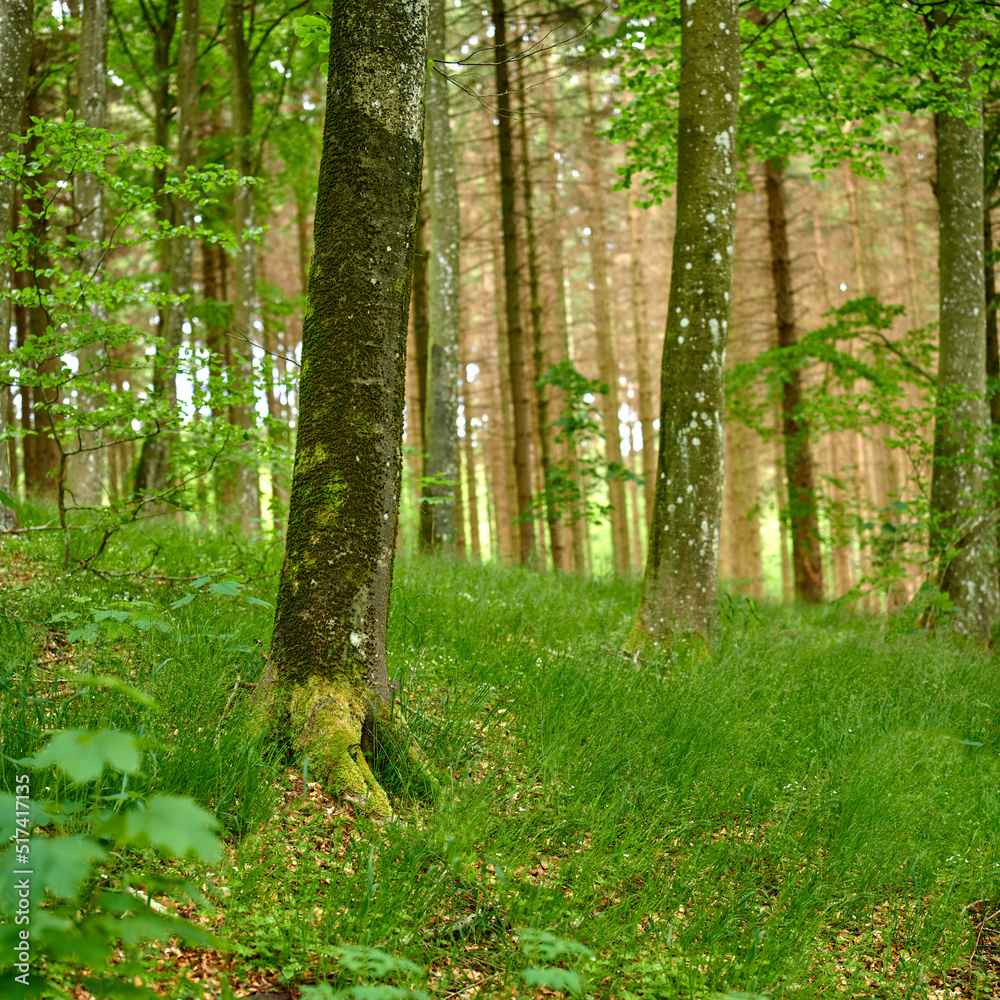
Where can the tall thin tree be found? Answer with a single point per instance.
(681, 579)
(15, 57)
(88, 195)
(243, 414)
(512, 268)
(441, 469)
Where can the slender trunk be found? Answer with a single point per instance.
(681, 579)
(506, 507)
(803, 521)
(421, 331)
(541, 365)
(644, 402)
(89, 202)
(512, 265)
(421, 342)
(153, 472)
(842, 575)
(46, 450)
(472, 502)
(959, 536)
(213, 259)
(15, 56)
(577, 525)
(607, 366)
(243, 412)
(441, 469)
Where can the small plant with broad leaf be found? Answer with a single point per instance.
(369, 968)
(548, 949)
(60, 894)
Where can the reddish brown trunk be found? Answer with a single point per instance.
(806, 556)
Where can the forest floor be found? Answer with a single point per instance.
(811, 809)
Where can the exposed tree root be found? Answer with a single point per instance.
(347, 734)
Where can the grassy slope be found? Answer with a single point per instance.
(813, 809)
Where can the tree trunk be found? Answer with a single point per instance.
(960, 537)
(470, 473)
(512, 265)
(88, 195)
(441, 474)
(327, 663)
(506, 507)
(644, 402)
(682, 563)
(153, 472)
(542, 392)
(842, 576)
(606, 364)
(421, 333)
(15, 56)
(577, 525)
(242, 329)
(807, 561)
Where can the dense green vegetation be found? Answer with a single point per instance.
(812, 807)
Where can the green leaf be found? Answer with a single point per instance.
(200, 582)
(88, 633)
(82, 753)
(257, 602)
(119, 616)
(56, 863)
(8, 501)
(177, 826)
(34, 816)
(554, 978)
(226, 588)
(181, 601)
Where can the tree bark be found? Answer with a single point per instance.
(577, 525)
(959, 536)
(644, 402)
(606, 364)
(682, 563)
(88, 196)
(153, 472)
(327, 680)
(807, 560)
(15, 56)
(243, 411)
(542, 391)
(441, 473)
(512, 266)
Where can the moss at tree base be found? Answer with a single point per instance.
(347, 734)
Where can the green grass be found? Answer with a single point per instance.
(813, 805)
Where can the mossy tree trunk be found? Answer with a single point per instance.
(437, 512)
(15, 55)
(960, 535)
(327, 684)
(681, 578)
